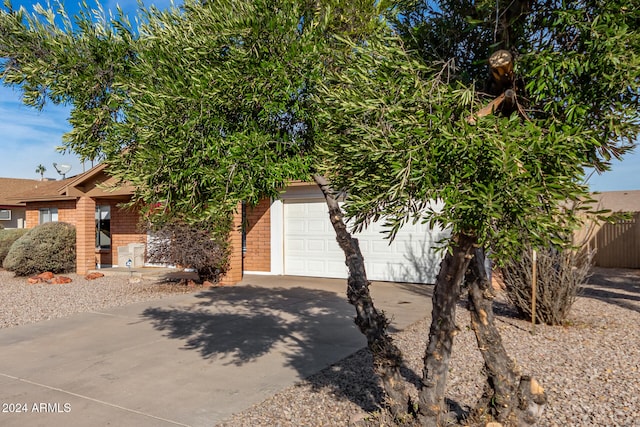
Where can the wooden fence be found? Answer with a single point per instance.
(618, 245)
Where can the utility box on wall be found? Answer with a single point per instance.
(133, 252)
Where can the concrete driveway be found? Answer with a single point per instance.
(188, 360)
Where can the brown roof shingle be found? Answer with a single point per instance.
(13, 188)
(46, 190)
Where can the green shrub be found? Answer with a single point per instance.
(560, 275)
(47, 247)
(7, 237)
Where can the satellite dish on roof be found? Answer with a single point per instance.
(62, 169)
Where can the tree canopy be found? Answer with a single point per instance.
(199, 107)
(216, 102)
(399, 134)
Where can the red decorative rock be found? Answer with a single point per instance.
(93, 276)
(34, 280)
(60, 280)
(47, 275)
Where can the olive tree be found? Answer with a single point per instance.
(493, 109)
(216, 102)
(199, 108)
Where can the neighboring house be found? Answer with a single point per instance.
(12, 212)
(618, 244)
(291, 235)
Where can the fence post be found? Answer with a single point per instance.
(534, 289)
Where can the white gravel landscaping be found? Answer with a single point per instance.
(590, 368)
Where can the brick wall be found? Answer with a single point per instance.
(258, 229)
(81, 213)
(85, 214)
(66, 212)
(124, 229)
(234, 274)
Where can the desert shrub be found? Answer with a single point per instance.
(202, 246)
(7, 237)
(560, 275)
(47, 247)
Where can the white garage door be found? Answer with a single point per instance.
(310, 247)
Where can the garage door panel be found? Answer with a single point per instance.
(315, 267)
(316, 226)
(409, 258)
(314, 245)
(382, 247)
(296, 209)
(296, 245)
(296, 226)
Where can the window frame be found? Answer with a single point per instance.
(99, 230)
(50, 213)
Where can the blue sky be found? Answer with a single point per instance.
(29, 137)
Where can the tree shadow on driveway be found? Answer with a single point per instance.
(304, 329)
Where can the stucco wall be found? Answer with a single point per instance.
(17, 213)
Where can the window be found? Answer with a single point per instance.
(48, 215)
(103, 226)
(5, 214)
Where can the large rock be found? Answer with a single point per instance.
(47, 275)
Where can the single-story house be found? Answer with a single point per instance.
(618, 244)
(91, 202)
(291, 235)
(12, 212)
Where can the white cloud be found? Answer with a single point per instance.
(29, 137)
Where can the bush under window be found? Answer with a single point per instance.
(7, 238)
(47, 247)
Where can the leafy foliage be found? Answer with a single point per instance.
(200, 108)
(47, 247)
(397, 133)
(84, 66)
(7, 237)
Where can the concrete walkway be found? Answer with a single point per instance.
(187, 360)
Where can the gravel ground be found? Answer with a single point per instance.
(22, 303)
(590, 368)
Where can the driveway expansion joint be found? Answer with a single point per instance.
(102, 402)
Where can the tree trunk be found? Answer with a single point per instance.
(508, 398)
(501, 70)
(387, 358)
(443, 328)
